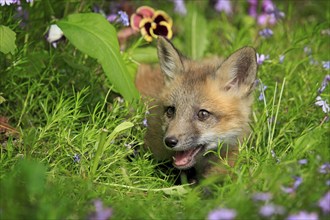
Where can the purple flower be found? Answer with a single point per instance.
(308, 50)
(7, 2)
(262, 196)
(111, 18)
(222, 214)
(327, 183)
(101, 213)
(324, 203)
(324, 83)
(324, 168)
(312, 61)
(266, 33)
(322, 103)
(269, 14)
(180, 7)
(326, 64)
(223, 5)
(253, 8)
(303, 161)
(261, 58)
(271, 209)
(76, 158)
(296, 184)
(303, 216)
(145, 122)
(123, 18)
(268, 6)
(282, 57)
(262, 89)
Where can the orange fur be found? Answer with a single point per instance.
(197, 106)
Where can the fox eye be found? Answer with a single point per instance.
(203, 115)
(170, 111)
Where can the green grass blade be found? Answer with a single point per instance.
(104, 141)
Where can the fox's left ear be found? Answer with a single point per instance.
(238, 72)
(169, 59)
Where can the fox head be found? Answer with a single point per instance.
(204, 103)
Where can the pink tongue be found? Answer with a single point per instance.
(182, 158)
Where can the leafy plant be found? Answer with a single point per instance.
(94, 35)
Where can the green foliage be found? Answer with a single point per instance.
(195, 33)
(66, 139)
(7, 42)
(92, 34)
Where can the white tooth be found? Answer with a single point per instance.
(173, 158)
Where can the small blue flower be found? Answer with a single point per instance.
(180, 7)
(326, 64)
(324, 203)
(324, 168)
(222, 214)
(270, 209)
(7, 2)
(303, 216)
(101, 213)
(223, 5)
(312, 61)
(145, 122)
(322, 103)
(123, 18)
(282, 57)
(308, 50)
(324, 84)
(303, 161)
(262, 89)
(262, 196)
(76, 158)
(266, 33)
(296, 184)
(261, 58)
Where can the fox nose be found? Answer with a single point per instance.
(171, 141)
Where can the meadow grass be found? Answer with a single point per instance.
(70, 140)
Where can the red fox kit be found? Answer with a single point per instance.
(199, 106)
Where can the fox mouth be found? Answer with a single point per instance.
(186, 159)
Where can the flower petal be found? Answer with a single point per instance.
(162, 29)
(160, 16)
(145, 28)
(135, 21)
(145, 11)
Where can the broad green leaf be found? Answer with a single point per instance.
(7, 40)
(94, 35)
(195, 33)
(145, 55)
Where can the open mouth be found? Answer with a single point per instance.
(186, 159)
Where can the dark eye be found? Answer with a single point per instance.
(170, 111)
(203, 115)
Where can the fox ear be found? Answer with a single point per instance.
(169, 59)
(238, 72)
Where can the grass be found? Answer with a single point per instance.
(64, 149)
